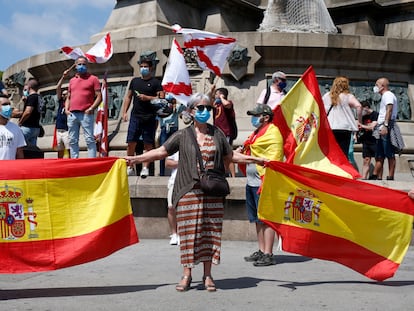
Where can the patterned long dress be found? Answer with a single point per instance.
(200, 219)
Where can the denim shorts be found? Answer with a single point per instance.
(140, 129)
(252, 202)
(384, 148)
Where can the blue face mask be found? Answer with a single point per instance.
(81, 68)
(281, 85)
(26, 93)
(202, 116)
(256, 121)
(217, 101)
(6, 111)
(144, 71)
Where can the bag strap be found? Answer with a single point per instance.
(329, 110)
(267, 95)
(199, 156)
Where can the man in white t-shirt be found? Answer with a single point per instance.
(387, 115)
(273, 94)
(11, 136)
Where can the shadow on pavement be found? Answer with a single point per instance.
(73, 291)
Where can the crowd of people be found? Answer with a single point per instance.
(195, 218)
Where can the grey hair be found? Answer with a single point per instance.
(197, 98)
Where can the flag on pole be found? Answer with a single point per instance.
(43, 226)
(100, 53)
(212, 49)
(176, 79)
(100, 130)
(362, 226)
(308, 138)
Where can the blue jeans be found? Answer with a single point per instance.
(87, 121)
(30, 135)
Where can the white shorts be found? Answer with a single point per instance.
(169, 194)
(62, 138)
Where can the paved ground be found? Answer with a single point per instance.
(143, 277)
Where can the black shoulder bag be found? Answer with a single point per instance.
(212, 181)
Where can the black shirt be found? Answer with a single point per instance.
(148, 87)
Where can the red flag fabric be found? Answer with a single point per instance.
(212, 49)
(176, 80)
(56, 213)
(101, 123)
(308, 138)
(100, 53)
(362, 226)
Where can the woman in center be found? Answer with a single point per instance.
(199, 217)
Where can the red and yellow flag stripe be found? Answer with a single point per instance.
(363, 226)
(58, 213)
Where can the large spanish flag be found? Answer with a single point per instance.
(302, 121)
(57, 213)
(362, 226)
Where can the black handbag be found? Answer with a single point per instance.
(213, 182)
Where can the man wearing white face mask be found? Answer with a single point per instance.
(12, 140)
(387, 115)
(265, 142)
(142, 124)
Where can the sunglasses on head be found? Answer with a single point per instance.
(202, 107)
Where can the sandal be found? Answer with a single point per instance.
(180, 287)
(209, 287)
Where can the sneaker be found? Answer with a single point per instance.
(265, 260)
(255, 256)
(130, 171)
(144, 172)
(175, 239)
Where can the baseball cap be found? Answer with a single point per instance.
(260, 109)
(279, 75)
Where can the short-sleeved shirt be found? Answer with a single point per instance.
(61, 117)
(367, 119)
(11, 138)
(82, 90)
(386, 99)
(274, 99)
(33, 121)
(224, 118)
(151, 87)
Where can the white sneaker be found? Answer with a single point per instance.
(144, 172)
(175, 239)
(130, 171)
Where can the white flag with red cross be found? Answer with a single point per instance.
(212, 49)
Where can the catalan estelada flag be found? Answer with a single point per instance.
(362, 226)
(56, 213)
(308, 138)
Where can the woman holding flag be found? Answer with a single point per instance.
(199, 216)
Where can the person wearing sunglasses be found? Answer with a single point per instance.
(199, 216)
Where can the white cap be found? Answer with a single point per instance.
(279, 75)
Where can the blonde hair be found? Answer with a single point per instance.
(340, 85)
